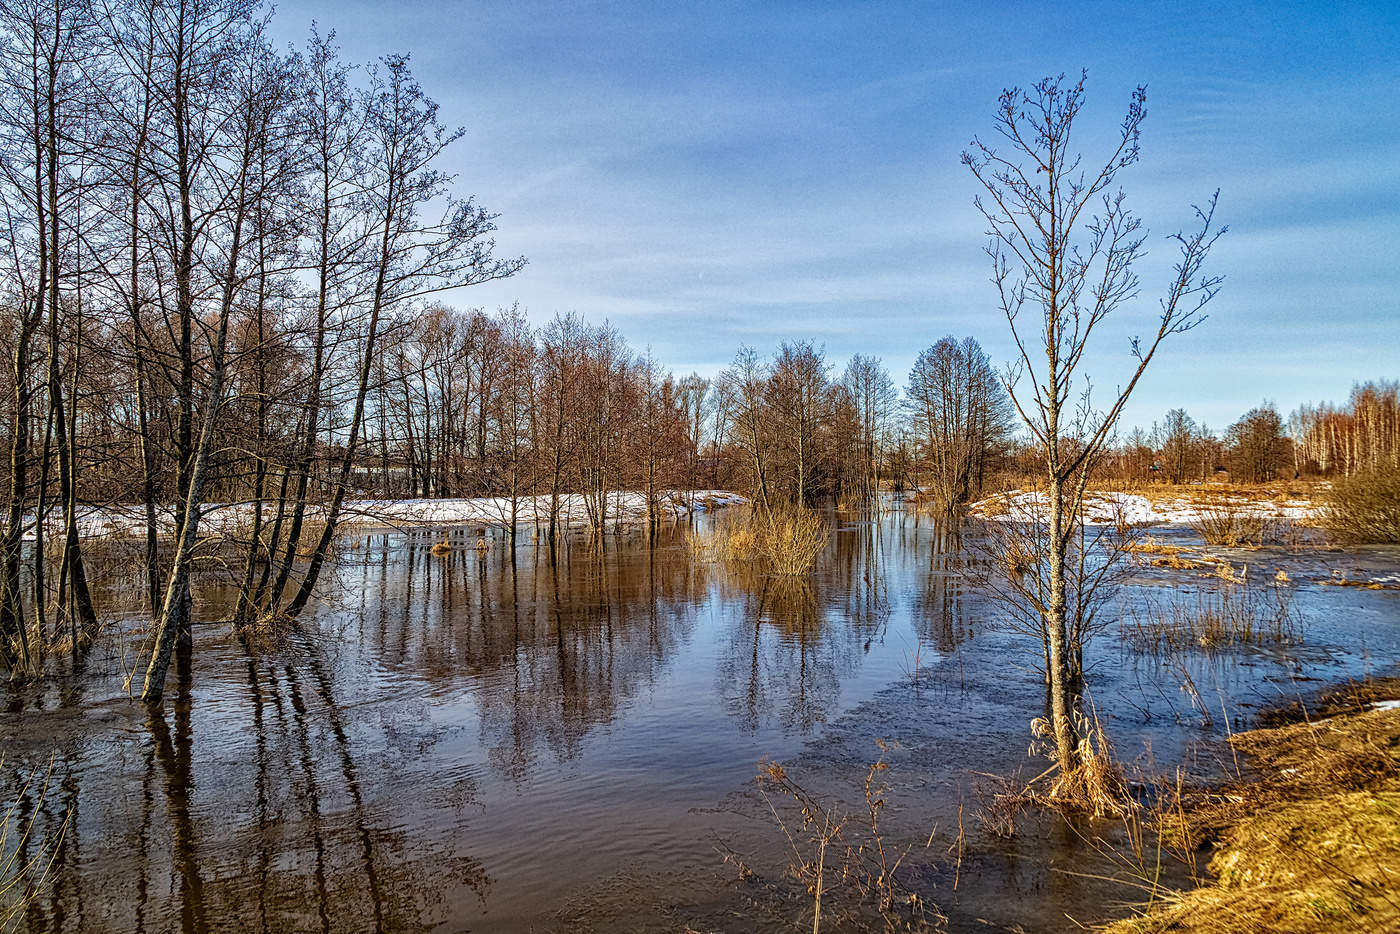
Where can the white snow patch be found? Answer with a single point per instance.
(129, 521)
(1104, 508)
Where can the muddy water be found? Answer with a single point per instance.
(501, 742)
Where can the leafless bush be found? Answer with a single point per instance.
(1365, 509)
(1230, 523)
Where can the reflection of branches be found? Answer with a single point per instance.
(940, 603)
(1013, 567)
(27, 852)
(784, 652)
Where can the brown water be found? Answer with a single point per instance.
(497, 743)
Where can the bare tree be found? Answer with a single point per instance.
(1176, 439)
(1257, 446)
(414, 257)
(960, 411)
(872, 394)
(1063, 246)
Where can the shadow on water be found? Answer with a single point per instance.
(503, 739)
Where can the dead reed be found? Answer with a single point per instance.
(1230, 523)
(1232, 616)
(784, 543)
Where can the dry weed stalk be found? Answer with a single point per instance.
(1229, 617)
(832, 849)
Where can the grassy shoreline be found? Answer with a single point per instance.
(1306, 838)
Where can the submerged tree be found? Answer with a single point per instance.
(1063, 245)
(960, 411)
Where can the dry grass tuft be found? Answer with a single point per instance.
(1219, 619)
(1310, 842)
(1365, 509)
(785, 543)
(1097, 786)
(1230, 523)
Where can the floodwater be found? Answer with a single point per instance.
(508, 743)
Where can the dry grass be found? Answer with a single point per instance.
(1230, 617)
(785, 544)
(1097, 787)
(1364, 509)
(1230, 523)
(1163, 555)
(1309, 842)
(1344, 581)
(1351, 697)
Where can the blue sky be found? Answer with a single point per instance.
(707, 175)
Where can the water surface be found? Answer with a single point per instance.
(505, 741)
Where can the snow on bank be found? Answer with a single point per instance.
(129, 521)
(1102, 508)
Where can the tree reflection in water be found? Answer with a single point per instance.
(333, 782)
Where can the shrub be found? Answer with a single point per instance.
(789, 542)
(784, 543)
(1230, 523)
(1365, 509)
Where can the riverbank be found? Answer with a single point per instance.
(1170, 505)
(120, 521)
(1306, 838)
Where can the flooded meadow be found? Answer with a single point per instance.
(514, 740)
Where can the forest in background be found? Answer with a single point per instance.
(222, 288)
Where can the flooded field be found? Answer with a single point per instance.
(488, 741)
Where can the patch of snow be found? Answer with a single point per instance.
(1103, 508)
(129, 521)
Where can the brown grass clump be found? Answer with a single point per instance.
(1220, 619)
(1230, 523)
(782, 543)
(1176, 563)
(994, 506)
(1151, 546)
(441, 549)
(1309, 842)
(1364, 509)
(1167, 556)
(1352, 697)
(1097, 786)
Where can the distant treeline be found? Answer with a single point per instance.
(1326, 441)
